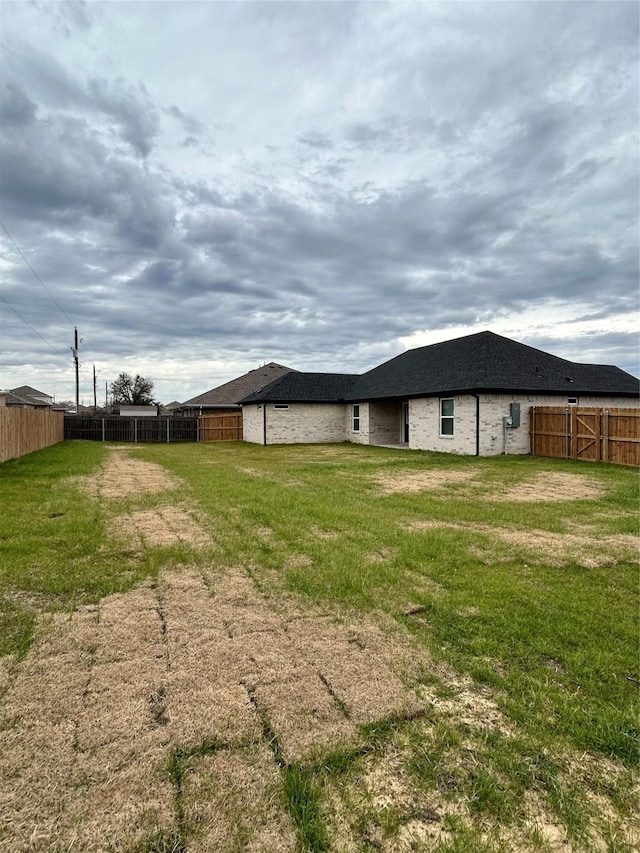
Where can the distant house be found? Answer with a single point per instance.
(26, 397)
(226, 398)
(139, 411)
(470, 396)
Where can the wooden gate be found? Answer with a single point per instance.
(591, 434)
(223, 427)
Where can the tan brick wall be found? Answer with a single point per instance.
(386, 423)
(424, 426)
(306, 423)
(424, 422)
(252, 424)
(381, 423)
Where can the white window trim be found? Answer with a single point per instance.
(281, 407)
(355, 417)
(442, 417)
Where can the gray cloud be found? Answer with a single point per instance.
(409, 170)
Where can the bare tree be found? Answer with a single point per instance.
(131, 391)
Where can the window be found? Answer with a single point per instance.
(280, 406)
(572, 401)
(446, 416)
(356, 417)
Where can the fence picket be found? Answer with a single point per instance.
(23, 431)
(590, 434)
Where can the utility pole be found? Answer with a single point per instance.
(74, 350)
(95, 399)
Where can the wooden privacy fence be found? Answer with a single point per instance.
(222, 427)
(24, 430)
(592, 434)
(137, 430)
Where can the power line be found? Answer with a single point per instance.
(53, 299)
(27, 323)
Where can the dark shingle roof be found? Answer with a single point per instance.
(232, 392)
(484, 362)
(489, 362)
(306, 388)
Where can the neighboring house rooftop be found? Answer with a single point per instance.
(230, 393)
(25, 395)
(481, 362)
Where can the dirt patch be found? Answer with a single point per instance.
(124, 476)
(165, 525)
(553, 486)
(420, 481)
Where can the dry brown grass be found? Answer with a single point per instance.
(125, 476)
(421, 480)
(108, 693)
(165, 525)
(583, 546)
(553, 486)
(550, 486)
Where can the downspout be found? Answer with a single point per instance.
(264, 424)
(477, 396)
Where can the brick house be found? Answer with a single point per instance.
(469, 396)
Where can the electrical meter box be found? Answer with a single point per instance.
(514, 414)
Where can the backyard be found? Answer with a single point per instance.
(227, 647)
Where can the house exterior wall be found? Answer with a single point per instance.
(306, 423)
(386, 423)
(139, 411)
(424, 425)
(424, 421)
(301, 423)
(381, 423)
(252, 423)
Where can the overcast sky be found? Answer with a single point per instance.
(202, 187)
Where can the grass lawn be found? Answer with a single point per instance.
(518, 577)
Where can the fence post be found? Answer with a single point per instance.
(567, 429)
(606, 435)
(103, 430)
(135, 430)
(533, 430)
(167, 430)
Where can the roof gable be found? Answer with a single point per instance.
(230, 393)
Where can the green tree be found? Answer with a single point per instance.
(132, 391)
